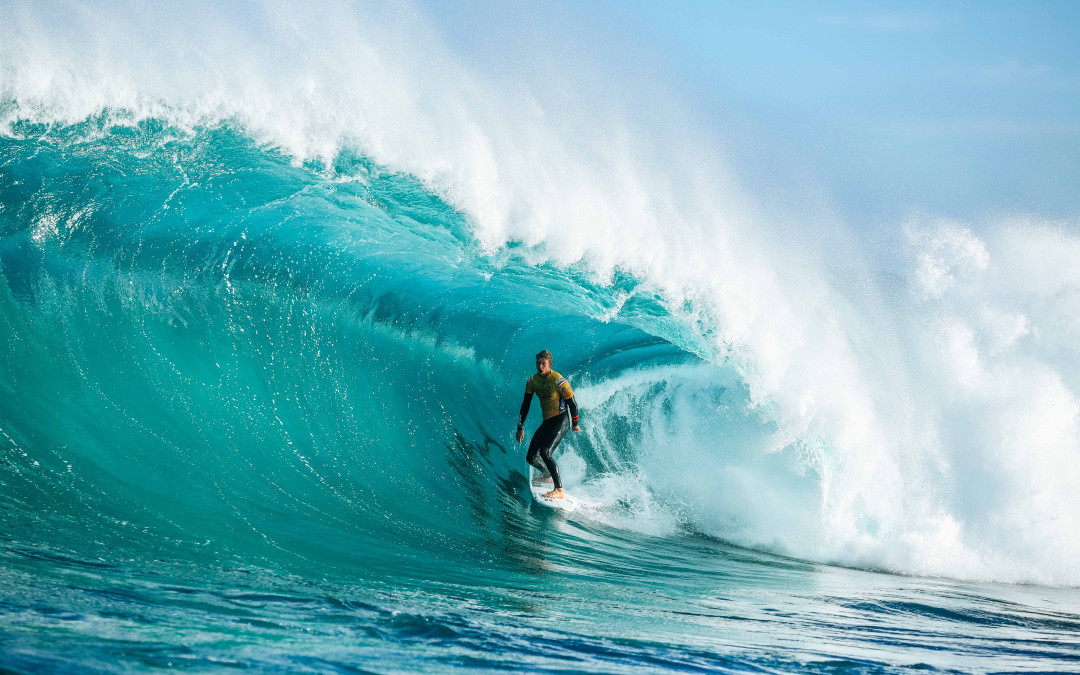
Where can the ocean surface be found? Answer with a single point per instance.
(259, 377)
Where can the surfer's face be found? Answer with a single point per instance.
(543, 366)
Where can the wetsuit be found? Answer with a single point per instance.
(559, 409)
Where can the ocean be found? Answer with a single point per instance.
(264, 343)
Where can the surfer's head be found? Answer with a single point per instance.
(543, 362)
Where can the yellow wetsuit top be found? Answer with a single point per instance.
(553, 391)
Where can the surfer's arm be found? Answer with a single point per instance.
(567, 394)
(520, 435)
(571, 403)
(524, 409)
(525, 404)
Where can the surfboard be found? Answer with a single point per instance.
(567, 503)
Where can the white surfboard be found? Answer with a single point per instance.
(567, 503)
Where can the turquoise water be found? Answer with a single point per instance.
(272, 276)
(258, 413)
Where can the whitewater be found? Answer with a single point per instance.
(271, 281)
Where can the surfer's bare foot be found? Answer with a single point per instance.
(555, 494)
(544, 479)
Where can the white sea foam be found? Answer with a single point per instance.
(926, 423)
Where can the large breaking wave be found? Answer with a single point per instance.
(278, 296)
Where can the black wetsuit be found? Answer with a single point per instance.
(544, 441)
(550, 389)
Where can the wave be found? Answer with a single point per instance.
(255, 292)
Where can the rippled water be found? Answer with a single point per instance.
(259, 415)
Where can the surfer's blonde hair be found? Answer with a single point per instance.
(545, 354)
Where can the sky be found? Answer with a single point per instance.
(965, 110)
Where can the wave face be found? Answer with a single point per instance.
(265, 331)
(244, 351)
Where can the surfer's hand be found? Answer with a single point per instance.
(576, 428)
(520, 435)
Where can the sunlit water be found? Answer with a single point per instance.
(264, 332)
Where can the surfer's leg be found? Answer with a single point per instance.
(556, 429)
(533, 456)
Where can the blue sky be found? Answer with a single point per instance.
(960, 109)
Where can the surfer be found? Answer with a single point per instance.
(559, 409)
